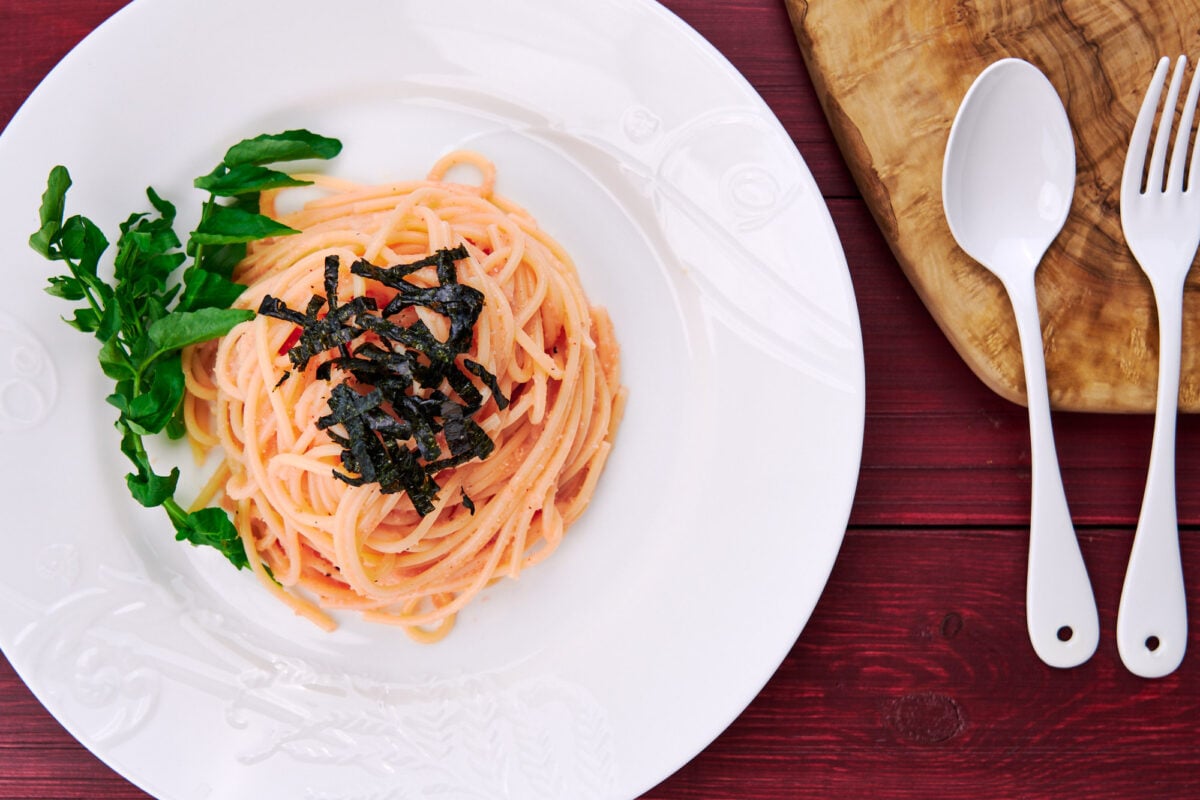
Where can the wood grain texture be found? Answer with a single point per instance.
(917, 681)
(891, 75)
(942, 449)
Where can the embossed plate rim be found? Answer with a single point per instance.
(694, 173)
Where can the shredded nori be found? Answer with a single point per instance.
(406, 387)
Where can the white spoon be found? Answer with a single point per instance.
(1007, 184)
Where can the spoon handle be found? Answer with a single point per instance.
(1152, 618)
(1064, 627)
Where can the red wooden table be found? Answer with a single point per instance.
(914, 677)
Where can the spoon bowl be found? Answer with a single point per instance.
(1009, 172)
(1007, 184)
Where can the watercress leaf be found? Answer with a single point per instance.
(110, 322)
(82, 241)
(287, 146)
(139, 313)
(152, 272)
(212, 527)
(248, 202)
(51, 212)
(169, 295)
(124, 262)
(132, 220)
(222, 260)
(150, 411)
(207, 257)
(120, 401)
(227, 225)
(151, 489)
(113, 360)
(151, 308)
(207, 290)
(164, 207)
(243, 179)
(129, 446)
(176, 427)
(141, 349)
(164, 263)
(151, 237)
(66, 287)
(182, 328)
(147, 253)
(85, 320)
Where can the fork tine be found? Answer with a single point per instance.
(1135, 157)
(1158, 160)
(1183, 136)
(1194, 96)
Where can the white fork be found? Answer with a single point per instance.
(1162, 228)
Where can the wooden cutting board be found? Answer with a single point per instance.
(891, 74)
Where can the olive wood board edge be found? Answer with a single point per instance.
(890, 76)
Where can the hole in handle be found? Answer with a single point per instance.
(1152, 643)
(1065, 633)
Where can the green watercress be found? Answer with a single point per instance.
(150, 309)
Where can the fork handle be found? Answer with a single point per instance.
(1152, 617)
(1060, 608)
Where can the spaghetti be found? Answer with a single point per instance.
(321, 543)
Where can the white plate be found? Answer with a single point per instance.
(692, 218)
